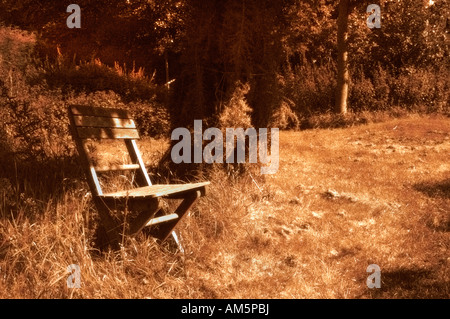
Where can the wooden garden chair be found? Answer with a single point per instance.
(127, 212)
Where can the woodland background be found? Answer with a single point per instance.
(175, 61)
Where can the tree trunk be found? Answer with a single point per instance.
(342, 63)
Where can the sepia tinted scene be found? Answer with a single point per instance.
(224, 149)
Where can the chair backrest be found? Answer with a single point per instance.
(88, 122)
(103, 123)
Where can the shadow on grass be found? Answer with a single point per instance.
(411, 283)
(31, 184)
(438, 218)
(435, 190)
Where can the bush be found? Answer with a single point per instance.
(310, 91)
(422, 88)
(310, 88)
(36, 126)
(284, 118)
(236, 111)
(361, 93)
(152, 118)
(382, 89)
(94, 76)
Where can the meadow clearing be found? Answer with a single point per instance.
(342, 199)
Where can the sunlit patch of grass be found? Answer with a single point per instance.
(371, 192)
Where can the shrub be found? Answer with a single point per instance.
(381, 88)
(152, 118)
(36, 126)
(94, 76)
(310, 88)
(361, 93)
(236, 113)
(421, 88)
(284, 117)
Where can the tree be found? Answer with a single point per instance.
(227, 43)
(343, 76)
(420, 28)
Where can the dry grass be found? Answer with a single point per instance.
(342, 199)
(375, 194)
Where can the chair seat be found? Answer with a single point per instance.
(156, 190)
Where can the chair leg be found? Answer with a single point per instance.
(138, 223)
(104, 239)
(166, 229)
(108, 232)
(177, 241)
(113, 230)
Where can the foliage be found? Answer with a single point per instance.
(285, 118)
(207, 47)
(312, 33)
(362, 92)
(412, 34)
(284, 52)
(151, 118)
(310, 88)
(422, 88)
(236, 113)
(95, 76)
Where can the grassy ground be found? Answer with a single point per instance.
(343, 199)
(375, 194)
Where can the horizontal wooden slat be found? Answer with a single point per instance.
(107, 133)
(99, 111)
(125, 167)
(161, 219)
(100, 121)
(156, 190)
